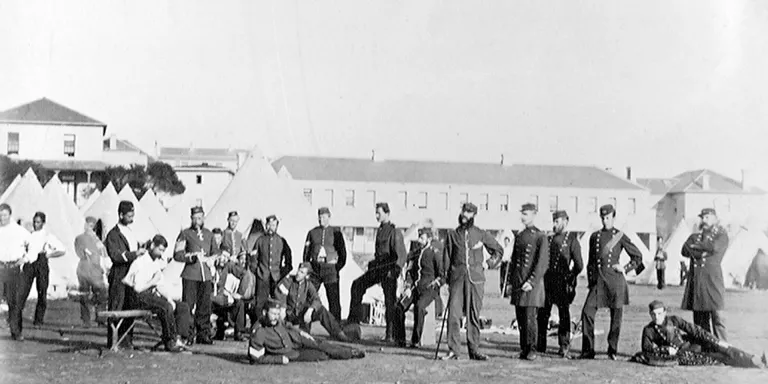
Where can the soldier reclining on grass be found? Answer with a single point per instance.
(670, 340)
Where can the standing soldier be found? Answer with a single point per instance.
(659, 262)
(326, 250)
(530, 259)
(232, 241)
(463, 256)
(705, 289)
(607, 285)
(384, 269)
(196, 248)
(560, 282)
(270, 262)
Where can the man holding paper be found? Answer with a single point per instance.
(228, 305)
(195, 247)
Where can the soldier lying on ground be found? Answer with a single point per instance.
(275, 342)
(670, 340)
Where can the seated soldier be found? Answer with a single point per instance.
(228, 305)
(423, 278)
(275, 342)
(302, 303)
(145, 276)
(670, 340)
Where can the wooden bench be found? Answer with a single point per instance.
(116, 318)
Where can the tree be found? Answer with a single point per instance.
(162, 177)
(10, 168)
(158, 176)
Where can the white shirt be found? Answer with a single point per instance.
(42, 241)
(13, 242)
(142, 271)
(133, 245)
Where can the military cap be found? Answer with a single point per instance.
(469, 207)
(707, 211)
(272, 303)
(558, 214)
(196, 210)
(324, 211)
(124, 207)
(270, 218)
(427, 231)
(232, 214)
(216, 230)
(656, 304)
(91, 220)
(528, 207)
(306, 265)
(606, 210)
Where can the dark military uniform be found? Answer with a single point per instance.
(326, 249)
(426, 267)
(232, 242)
(298, 297)
(384, 269)
(271, 263)
(197, 277)
(705, 289)
(607, 287)
(560, 282)
(530, 259)
(464, 257)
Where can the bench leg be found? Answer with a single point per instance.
(115, 326)
(127, 331)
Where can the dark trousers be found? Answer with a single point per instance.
(712, 322)
(660, 278)
(326, 274)
(421, 299)
(174, 323)
(503, 268)
(11, 278)
(197, 295)
(563, 328)
(439, 306)
(314, 351)
(121, 298)
(322, 315)
(387, 277)
(529, 330)
(588, 329)
(38, 272)
(465, 296)
(234, 313)
(92, 294)
(264, 290)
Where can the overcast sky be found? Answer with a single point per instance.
(664, 86)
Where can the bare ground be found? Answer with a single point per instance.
(62, 352)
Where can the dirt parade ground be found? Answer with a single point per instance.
(64, 352)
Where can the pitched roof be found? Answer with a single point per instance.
(657, 186)
(45, 111)
(692, 182)
(123, 145)
(200, 153)
(202, 168)
(436, 172)
(73, 165)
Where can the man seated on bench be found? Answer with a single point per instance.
(275, 342)
(670, 340)
(302, 303)
(228, 305)
(145, 276)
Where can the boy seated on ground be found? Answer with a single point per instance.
(275, 342)
(228, 305)
(145, 276)
(302, 303)
(670, 340)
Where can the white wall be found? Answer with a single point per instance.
(46, 142)
(124, 158)
(213, 184)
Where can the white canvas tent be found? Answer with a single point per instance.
(105, 208)
(673, 246)
(142, 225)
(10, 188)
(91, 199)
(742, 249)
(64, 221)
(25, 197)
(347, 275)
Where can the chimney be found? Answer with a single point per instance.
(373, 155)
(157, 150)
(745, 180)
(241, 156)
(502, 159)
(112, 142)
(705, 181)
(629, 174)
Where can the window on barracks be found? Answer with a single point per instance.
(573, 204)
(359, 231)
(612, 201)
(329, 197)
(199, 179)
(402, 198)
(483, 202)
(349, 197)
(69, 145)
(13, 143)
(592, 205)
(370, 234)
(463, 198)
(349, 233)
(553, 200)
(534, 199)
(444, 199)
(372, 198)
(504, 203)
(632, 205)
(308, 195)
(421, 200)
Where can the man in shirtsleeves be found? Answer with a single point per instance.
(196, 248)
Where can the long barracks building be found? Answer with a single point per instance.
(416, 190)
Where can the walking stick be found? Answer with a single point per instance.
(442, 326)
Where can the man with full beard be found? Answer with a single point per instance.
(463, 253)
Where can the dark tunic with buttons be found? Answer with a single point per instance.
(272, 259)
(530, 259)
(608, 287)
(193, 240)
(705, 289)
(564, 249)
(463, 254)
